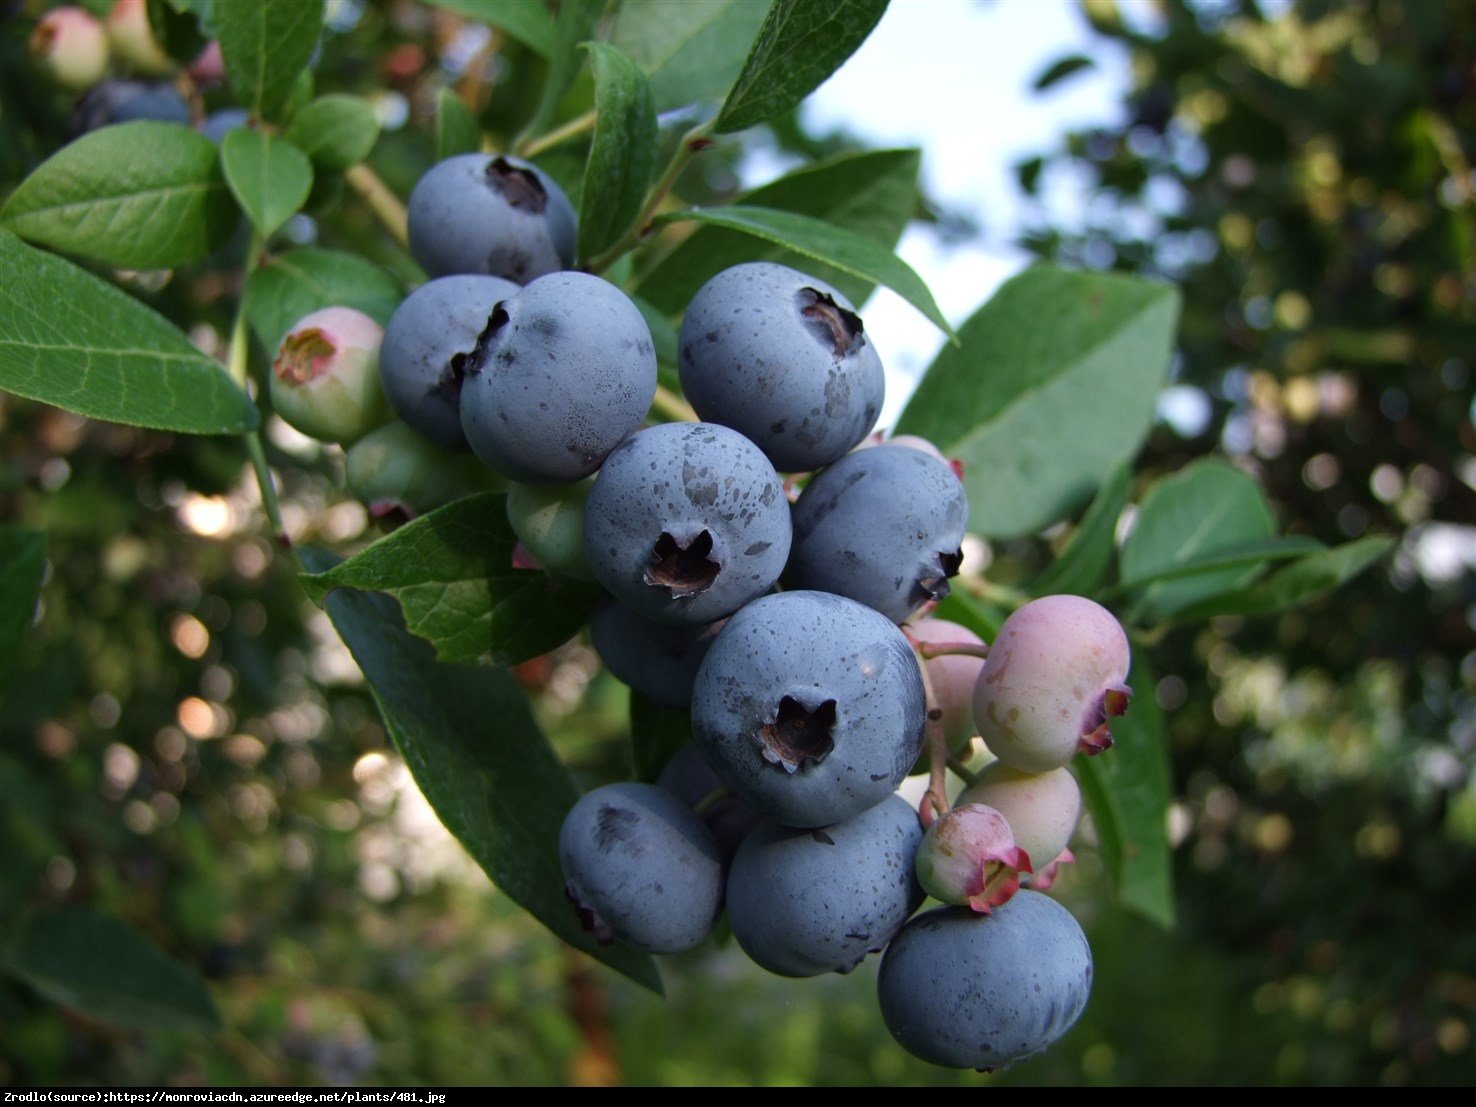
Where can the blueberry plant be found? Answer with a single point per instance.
(574, 399)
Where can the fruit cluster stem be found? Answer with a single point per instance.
(929, 650)
(388, 208)
(673, 406)
(934, 803)
(581, 125)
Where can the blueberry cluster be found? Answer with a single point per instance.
(770, 568)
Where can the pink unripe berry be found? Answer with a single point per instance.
(209, 67)
(71, 47)
(969, 857)
(325, 380)
(1042, 808)
(952, 676)
(133, 39)
(1055, 676)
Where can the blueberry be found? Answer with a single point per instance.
(1053, 679)
(429, 339)
(1042, 808)
(325, 379)
(70, 46)
(397, 474)
(220, 123)
(659, 660)
(126, 101)
(687, 523)
(883, 527)
(984, 991)
(641, 867)
(810, 707)
(688, 777)
(490, 214)
(783, 359)
(804, 902)
(561, 374)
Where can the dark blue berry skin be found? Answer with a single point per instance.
(804, 902)
(781, 358)
(490, 214)
(427, 344)
(118, 101)
(689, 777)
(562, 373)
(687, 522)
(984, 991)
(810, 707)
(641, 868)
(659, 660)
(219, 123)
(883, 527)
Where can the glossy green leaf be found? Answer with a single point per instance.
(22, 565)
(1053, 383)
(1083, 564)
(479, 757)
(843, 249)
(100, 967)
(299, 282)
(456, 127)
(1252, 555)
(656, 733)
(873, 193)
(1127, 792)
(70, 339)
(528, 21)
(1207, 508)
(1304, 580)
(336, 130)
(690, 50)
(622, 156)
(801, 43)
(266, 44)
(143, 195)
(452, 572)
(176, 25)
(1060, 69)
(270, 177)
(575, 25)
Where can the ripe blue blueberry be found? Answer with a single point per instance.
(804, 902)
(689, 777)
(883, 527)
(427, 344)
(659, 660)
(126, 101)
(220, 123)
(983, 991)
(687, 522)
(641, 868)
(783, 359)
(490, 214)
(561, 374)
(810, 707)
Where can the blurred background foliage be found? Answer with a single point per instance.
(187, 746)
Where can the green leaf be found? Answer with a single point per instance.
(1083, 564)
(1300, 582)
(656, 733)
(22, 565)
(801, 43)
(690, 50)
(451, 571)
(457, 131)
(622, 157)
(872, 193)
(266, 44)
(270, 177)
(70, 339)
(336, 130)
(177, 27)
(1053, 383)
(143, 195)
(300, 282)
(1127, 791)
(1251, 555)
(100, 967)
(469, 738)
(576, 24)
(1207, 508)
(528, 21)
(813, 238)
(1061, 69)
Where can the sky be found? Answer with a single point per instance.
(954, 77)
